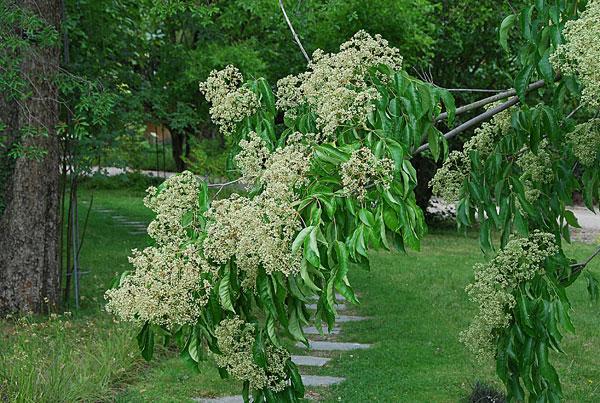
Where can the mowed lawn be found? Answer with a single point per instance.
(416, 304)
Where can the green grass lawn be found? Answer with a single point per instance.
(416, 303)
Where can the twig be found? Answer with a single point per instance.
(294, 32)
(489, 100)
(221, 186)
(577, 267)
(471, 122)
(574, 111)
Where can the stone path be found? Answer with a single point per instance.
(305, 361)
(133, 227)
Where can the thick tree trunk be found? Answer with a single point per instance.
(29, 223)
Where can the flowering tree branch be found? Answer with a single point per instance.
(296, 38)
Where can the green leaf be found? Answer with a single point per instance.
(342, 256)
(506, 25)
(271, 332)
(296, 379)
(295, 328)
(225, 291)
(145, 339)
(571, 219)
(306, 277)
(545, 68)
(448, 100)
(300, 239)
(259, 354)
(433, 139)
(311, 248)
(522, 82)
(396, 152)
(366, 217)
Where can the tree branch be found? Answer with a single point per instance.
(294, 32)
(577, 267)
(474, 121)
(489, 100)
(485, 90)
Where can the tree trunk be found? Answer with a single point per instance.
(179, 142)
(29, 223)
(425, 171)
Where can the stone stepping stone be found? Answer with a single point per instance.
(309, 361)
(316, 380)
(334, 346)
(314, 330)
(308, 380)
(339, 307)
(338, 297)
(348, 318)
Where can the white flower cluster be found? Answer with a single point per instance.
(285, 170)
(363, 170)
(585, 140)
(494, 287)
(448, 180)
(235, 339)
(256, 232)
(334, 85)
(179, 194)
(168, 287)
(252, 157)
(536, 169)
(230, 102)
(170, 282)
(580, 54)
(279, 172)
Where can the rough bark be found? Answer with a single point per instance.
(29, 224)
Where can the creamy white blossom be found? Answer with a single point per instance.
(168, 287)
(536, 170)
(252, 157)
(363, 170)
(177, 196)
(231, 102)
(335, 86)
(495, 284)
(255, 232)
(235, 339)
(580, 54)
(585, 140)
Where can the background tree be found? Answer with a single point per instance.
(29, 220)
